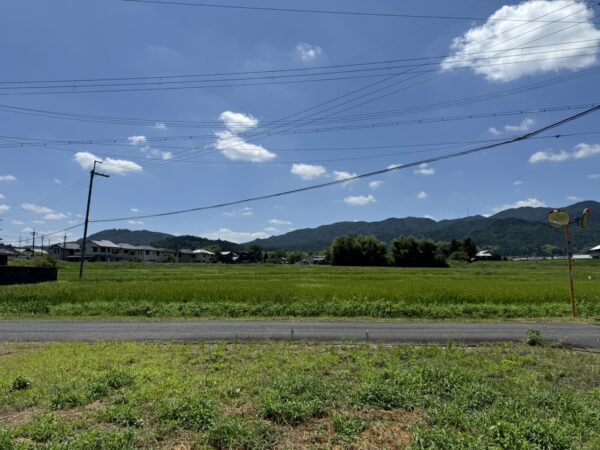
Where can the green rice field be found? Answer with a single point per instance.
(484, 290)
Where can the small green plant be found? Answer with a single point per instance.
(534, 337)
(239, 433)
(6, 439)
(189, 413)
(348, 428)
(67, 396)
(101, 440)
(123, 414)
(20, 383)
(42, 429)
(293, 398)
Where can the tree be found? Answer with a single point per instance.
(412, 252)
(358, 251)
(469, 247)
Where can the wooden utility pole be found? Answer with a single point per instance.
(33, 244)
(87, 214)
(570, 265)
(64, 245)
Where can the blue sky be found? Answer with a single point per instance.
(43, 187)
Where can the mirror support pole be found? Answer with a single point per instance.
(570, 265)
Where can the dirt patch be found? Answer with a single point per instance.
(248, 410)
(79, 413)
(389, 430)
(16, 418)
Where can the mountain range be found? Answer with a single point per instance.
(515, 232)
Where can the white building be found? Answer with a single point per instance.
(204, 256)
(595, 252)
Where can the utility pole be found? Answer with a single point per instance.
(87, 214)
(64, 245)
(42, 244)
(33, 244)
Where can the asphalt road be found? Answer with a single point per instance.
(574, 335)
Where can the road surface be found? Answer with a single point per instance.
(574, 335)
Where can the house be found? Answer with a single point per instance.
(5, 253)
(317, 259)
(167, 255)
(149, 253)
(186, 256)
(228, 257)
(487, 255)
(67, 251)
(102, 250)
(131, 253)
(595, 252)
(204, 256)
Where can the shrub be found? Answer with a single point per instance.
(395, 391)
(20, 383)
(66, 397)
(347, 427)
(189, 413)
(291, 399)
(42, 429)
(459, 256)
(101, 440)
(44, 261)
(534, 337)
(412, 252)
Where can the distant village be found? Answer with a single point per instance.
(108, 251)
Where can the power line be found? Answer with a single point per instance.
(331, 12)
(365, 175)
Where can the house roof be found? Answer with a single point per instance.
(68, 245)
(205, 252)
(104, 243)
(128, 247)
(484, 253)
(596, 248)
(185, 251)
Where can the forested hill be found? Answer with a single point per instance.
(518, 231)
(125, 236)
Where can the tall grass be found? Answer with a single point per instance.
(469, 291)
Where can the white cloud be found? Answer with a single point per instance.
(8, 178)
(594, 176)
(517, 183)
(27, 230)
(308, 171)
(424, 169)
(17, 222)
(580, 151)
(279, 222)
(135, 222)
(238, 122)
(32, 207)
(427, 216)
(135, 210)
(494, 131)
(2, 196)
(72, 222)
(524, 126)
(137, 140)
(55, 216)
(359, 200)
(572, 198)
(4, 209)
(233, 146)
(308, 52)
(38, 222)
(340, 175)
(247, 212)
(160, 126)
(422, 195)
(272, 230)
(375, 184)
(501, 40)
(394, 166)
(57, 181)
(112, 166)
(155, 153)
(238, 237)
(530, 202)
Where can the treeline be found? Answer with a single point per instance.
(402, 252)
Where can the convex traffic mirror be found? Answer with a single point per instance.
(559, 218)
